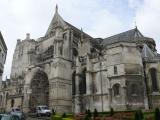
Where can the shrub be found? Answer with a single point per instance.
(86, 111)
(157, 114)
(89, 113)
(64, 115)
(136, 116)
(95, 114)
(67, 118)
(56, 117)
(86, 117)
(53, 112)
(69, 115)
(111, 111)
(139, 115)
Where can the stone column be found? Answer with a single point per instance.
(124, 96)
(0, 81)
(88, 76)
(88, 83)
(27, 93)
(110, 97)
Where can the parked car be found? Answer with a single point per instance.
(8, 117)
(43, 110)
(17, 112)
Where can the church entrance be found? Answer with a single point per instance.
(40, 90)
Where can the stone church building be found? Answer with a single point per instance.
(70, 71)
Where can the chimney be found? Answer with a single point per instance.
(28, 36)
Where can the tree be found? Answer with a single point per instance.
(95, 113)
(157, 114)
(111, 111)
(89, 113)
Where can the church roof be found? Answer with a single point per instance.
(2, 40)
(78, 30)
(58, 20)
(129, 35)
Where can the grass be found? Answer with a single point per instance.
(148, 115)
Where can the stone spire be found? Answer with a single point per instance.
(56, 8)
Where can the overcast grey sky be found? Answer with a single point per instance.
(99, 18)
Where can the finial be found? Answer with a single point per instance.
(56, 8)
(135, 25)
(81, 35)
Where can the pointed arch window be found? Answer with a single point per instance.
(74, 83)
(1, 97)
(133, 89)
(116, 90)
(153, 73)
(115, 70)
(82, 84)
(12, 103)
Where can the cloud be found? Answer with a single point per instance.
(147, 16)
(135, 3)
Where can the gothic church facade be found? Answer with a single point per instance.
(70, 71)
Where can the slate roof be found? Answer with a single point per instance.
(130, 35)
(78, 30)
(2, 40)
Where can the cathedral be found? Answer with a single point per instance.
(70, 71)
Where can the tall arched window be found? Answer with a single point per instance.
(82, 84)
(73, 83)
(116, 89)
(1, 100)
(153, 73)
(115, 70)
(12, 103)
(133, 89)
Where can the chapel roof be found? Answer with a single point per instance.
(129, 35)
(2, 40)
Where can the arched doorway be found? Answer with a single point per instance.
(39, 90)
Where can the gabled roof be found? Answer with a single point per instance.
(3, 42)
(57, 19)
(124, 36)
